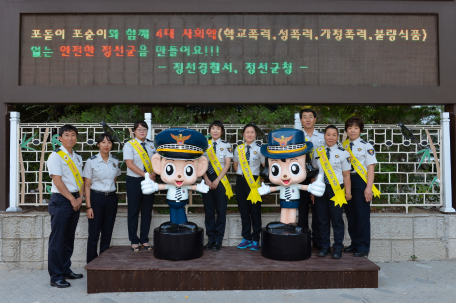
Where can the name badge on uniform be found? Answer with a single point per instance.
(114, 164)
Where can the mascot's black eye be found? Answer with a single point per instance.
(169, 169)
(295, 168)
(189, 170)
(275, 170)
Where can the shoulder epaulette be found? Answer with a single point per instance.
(259, 144)
(362, 141)
(114, 157)
(341, 148)
(149, 140)
(225, 141)
(93, 157)
(57, 149)
(320, 132)
(76, 152)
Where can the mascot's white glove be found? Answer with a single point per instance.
(202, 188)
(264, 189)
(148, 186)
(318, 187)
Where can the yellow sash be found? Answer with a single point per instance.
(143, 155)
(218, 169)
(339, 193)
(254, 196)
(77, 176)
(311, 153)
(359, 167)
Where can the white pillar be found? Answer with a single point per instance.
(14, 162)
(148, 119)
(297, 121)
(445, 164)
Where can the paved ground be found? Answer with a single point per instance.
(432, 281)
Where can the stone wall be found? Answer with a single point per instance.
(395, 237)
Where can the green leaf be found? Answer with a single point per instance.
(426, 154)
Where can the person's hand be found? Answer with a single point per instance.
(264, 189)
(348, 195)
(152, 176)
(76, 203)
(215, 184)
(317, 188)
(202, 188)
(368, 194)
(89, 213)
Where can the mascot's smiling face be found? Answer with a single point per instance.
(288, 171)
(179, 172)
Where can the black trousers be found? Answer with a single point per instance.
(136, 202)
(61, 240)
(329, 213)
(104, 215)
(303, 221)
(215, 201)
(250, 212)
(358, 215)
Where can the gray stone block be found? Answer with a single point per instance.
(380, 250)
(80, 250)
(22, 227)
(440, 227)
(235, 224)
(120, 230)
(45, 249)
(9, 250)
(425, 227)
(30, 265)
(32, 250)
(82, 229)
(392, 228)
(47, 226)
(430, 250)
(402, 250)
(451, 249)
(452, 226)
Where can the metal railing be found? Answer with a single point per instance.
(399, 176)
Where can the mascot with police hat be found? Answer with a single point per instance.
(179, 161)
(286, 159)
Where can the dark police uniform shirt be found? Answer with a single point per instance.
(101, 173)
(364, 152)
(255, 159)
(129, 153)
(338, 158)
(223, 151)
(58, 167)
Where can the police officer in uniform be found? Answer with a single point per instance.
(328, 212)
(250, 212)
(137, 201)
(65, 168)
(100, 173)
(216, 201)
(357, 209)
(308, 120)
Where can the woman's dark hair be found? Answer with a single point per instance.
(307, 110)
(102, 136)
(217, 123)
(354, 121)
(67, 128)
(138, 123)
(249, 125)
(331, 127)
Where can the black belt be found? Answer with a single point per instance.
(74, 194)
(103, 193)
(255, 177)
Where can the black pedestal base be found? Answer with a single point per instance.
(284, 245)
(178, 244)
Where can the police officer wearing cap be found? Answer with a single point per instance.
(100, 176)
(250, 212)
(137, 154)
(308, 120)
(65, 168)
(216, 200)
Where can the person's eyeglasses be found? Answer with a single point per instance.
(142, 130)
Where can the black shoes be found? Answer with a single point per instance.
(349, 249)
(217, 246)
(168, 226)
(361, 254)
(209, 245)
(60, 284)
(324, 252)
(337, 254)
(73, 276)
(188, 226)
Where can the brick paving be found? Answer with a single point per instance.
(431, 281)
